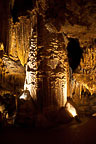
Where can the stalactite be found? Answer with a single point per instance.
(80, 90)
(19, 35)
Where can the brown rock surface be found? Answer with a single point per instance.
(12, 74)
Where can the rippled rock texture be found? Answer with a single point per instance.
(12, 74)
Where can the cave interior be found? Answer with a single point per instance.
(47, 61)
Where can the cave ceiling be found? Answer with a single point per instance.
(75, 18)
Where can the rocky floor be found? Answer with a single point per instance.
(72, 133)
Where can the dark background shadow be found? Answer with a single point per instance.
(74, 53)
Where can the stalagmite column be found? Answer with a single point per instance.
(80, 91)
(47, 67)
(52, 68)
(69, 81)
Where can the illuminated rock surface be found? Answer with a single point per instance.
(12, 74)
(52, 68)
(19, 36)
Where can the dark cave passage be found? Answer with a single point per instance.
(74, 53)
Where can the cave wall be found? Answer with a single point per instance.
(4, 24)
(19, 39)
(84, 83)
(12, 75)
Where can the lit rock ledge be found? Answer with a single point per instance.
(11, 74)
(87, 81)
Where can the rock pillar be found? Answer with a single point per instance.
(52, 65)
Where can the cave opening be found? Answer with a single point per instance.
(74, 53)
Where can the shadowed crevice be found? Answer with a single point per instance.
(74, 53)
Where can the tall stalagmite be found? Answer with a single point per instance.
(52, 68)
(47, 67)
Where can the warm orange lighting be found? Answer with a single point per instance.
(23, 96)
(65, 90)
(1, 46)
(2, 108)
(30, 80)
(71, 109)
(94, 115)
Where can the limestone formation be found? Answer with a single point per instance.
(35, 53)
